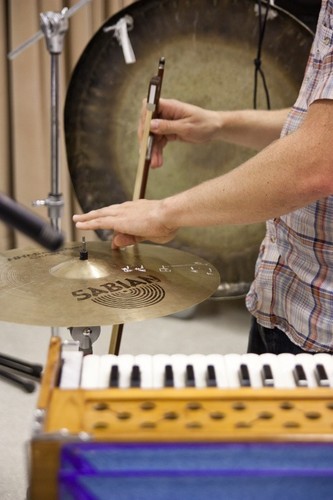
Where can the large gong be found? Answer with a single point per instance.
(209, 47)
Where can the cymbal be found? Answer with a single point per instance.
(109, 287)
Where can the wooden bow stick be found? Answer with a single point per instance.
(146, 146)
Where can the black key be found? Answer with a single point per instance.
(211, 376)
(135, 380)
(189, 376)
(321, 376)
(267, 376)
(168, 376)
(300, 377)
(114, 376)
(244, 376)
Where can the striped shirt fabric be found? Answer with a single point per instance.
(293, 285)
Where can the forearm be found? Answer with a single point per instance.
(290, 173)
(287, 175)
(255, 129)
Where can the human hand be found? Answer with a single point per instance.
(178, 121)
(132, 222)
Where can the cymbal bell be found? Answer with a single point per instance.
(108, 287)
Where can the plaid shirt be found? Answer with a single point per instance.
(293, 286)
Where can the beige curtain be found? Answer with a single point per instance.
(25, 135)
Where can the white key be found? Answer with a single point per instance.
(90, 371)
(71, 369)
(158, 366)
(106, 363)
(232, 364)
(125, 363)
(284, 374)
(179, 362)
(199, 363)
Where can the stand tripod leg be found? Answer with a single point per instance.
(20, 382)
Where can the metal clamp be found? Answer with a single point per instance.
(121, 29)
(54, 26)
(54, 204)
(86, 336)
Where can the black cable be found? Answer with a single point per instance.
(257, 61)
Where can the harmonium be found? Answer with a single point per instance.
(198, 426)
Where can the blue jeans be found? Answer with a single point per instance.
(275, 341)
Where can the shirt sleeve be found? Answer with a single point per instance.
(318, 78)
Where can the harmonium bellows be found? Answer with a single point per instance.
(189, 418)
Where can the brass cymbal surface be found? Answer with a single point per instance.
(109, 287)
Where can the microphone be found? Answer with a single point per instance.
(31, 225)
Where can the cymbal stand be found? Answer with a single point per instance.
(85, 337)
(53, 25)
